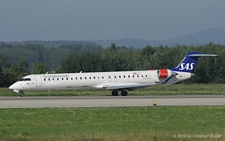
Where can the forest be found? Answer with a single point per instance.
(22, 59)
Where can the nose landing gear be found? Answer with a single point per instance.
(21, 93)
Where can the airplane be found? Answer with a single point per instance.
(115, 81)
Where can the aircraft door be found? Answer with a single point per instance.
(38, 81)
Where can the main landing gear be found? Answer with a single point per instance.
(123, 93)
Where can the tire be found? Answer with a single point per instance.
(114, 93)
(124, 93)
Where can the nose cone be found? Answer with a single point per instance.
(13, 86)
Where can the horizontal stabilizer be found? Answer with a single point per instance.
(201, 55)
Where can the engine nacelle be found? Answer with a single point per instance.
(164, 73)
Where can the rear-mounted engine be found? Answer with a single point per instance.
(165, 73)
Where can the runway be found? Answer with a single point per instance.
(109, 101)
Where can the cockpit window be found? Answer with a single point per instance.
(25, 79)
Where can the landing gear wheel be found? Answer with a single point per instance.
(114, 93)
(21, 94)
(124, 93)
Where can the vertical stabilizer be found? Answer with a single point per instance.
(189, 61)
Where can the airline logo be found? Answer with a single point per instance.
(186, 66)
(136, 73)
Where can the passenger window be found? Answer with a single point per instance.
(124, 76)
(85, 77)
(66, 78)
(57, 78)
(76, 78)
(119, 76)
(44, 79)
(89, 77)
(71, 78)
(102, 77)
(94, 77)
(53, 79)
(62, 78)
(49, 79)
(80, 78)
(128, 76)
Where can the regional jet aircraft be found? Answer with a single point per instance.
(115, 81)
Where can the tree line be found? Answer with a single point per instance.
(19, 60)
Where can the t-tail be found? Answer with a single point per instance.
(189, 61)
(184, 70)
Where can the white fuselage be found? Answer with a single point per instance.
(96, 80)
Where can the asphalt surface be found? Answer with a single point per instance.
(109, 101)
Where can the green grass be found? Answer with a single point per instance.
(126, 124)
(98, 124)
(178, 89)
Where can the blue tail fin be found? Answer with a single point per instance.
(189, 61)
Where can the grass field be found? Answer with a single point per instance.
(178, 89)
(126, 124)
(185, 123)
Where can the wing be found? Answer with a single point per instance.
(126, 86)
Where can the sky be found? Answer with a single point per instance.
(77, 20)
